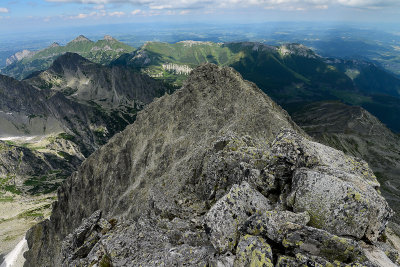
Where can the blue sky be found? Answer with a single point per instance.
(35, 14)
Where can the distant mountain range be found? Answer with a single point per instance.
(292, 74)
(24, 63)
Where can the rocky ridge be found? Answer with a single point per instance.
(298, 50)
(19, 56)
(109, 87)
(224, 178)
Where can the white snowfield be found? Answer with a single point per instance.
(17, 138)
(15, 258)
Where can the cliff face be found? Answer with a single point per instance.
(214, 174)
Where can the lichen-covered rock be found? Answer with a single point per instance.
(337, 204)
(253, 251)
(297, 151)
(390, 252)
(236, 159)
(78, 244)
(274, 224)
(323, 244)
(339, 192)
(286, 261)
(315, 261)
(304, 260)
(378, 257)
(151, 242)
(227, 215)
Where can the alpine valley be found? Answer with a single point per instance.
(198, 153)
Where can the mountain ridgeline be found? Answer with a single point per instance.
(224, 178)
(110, 87)
(102, 51)
(292, 74)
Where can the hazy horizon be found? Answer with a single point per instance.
(37, 15)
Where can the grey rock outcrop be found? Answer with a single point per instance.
(272, 224)
(357, 132)
(338, 205)
(19, 56)
(230, 212)
(206, 176)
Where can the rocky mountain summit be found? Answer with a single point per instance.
(292, 74)
(216, 174)
(81, 38)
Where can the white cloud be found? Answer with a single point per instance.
(136, 12)
(266, 4)
(4, 10)
(82, 16)
(159, 7)
(116, 14)
(100, 13)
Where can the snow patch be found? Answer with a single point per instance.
(13, 259)
(18, 138)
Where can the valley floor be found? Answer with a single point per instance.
(17, 214)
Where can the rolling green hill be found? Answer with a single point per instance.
(102, 51)
(272, 68)
(153, 57)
